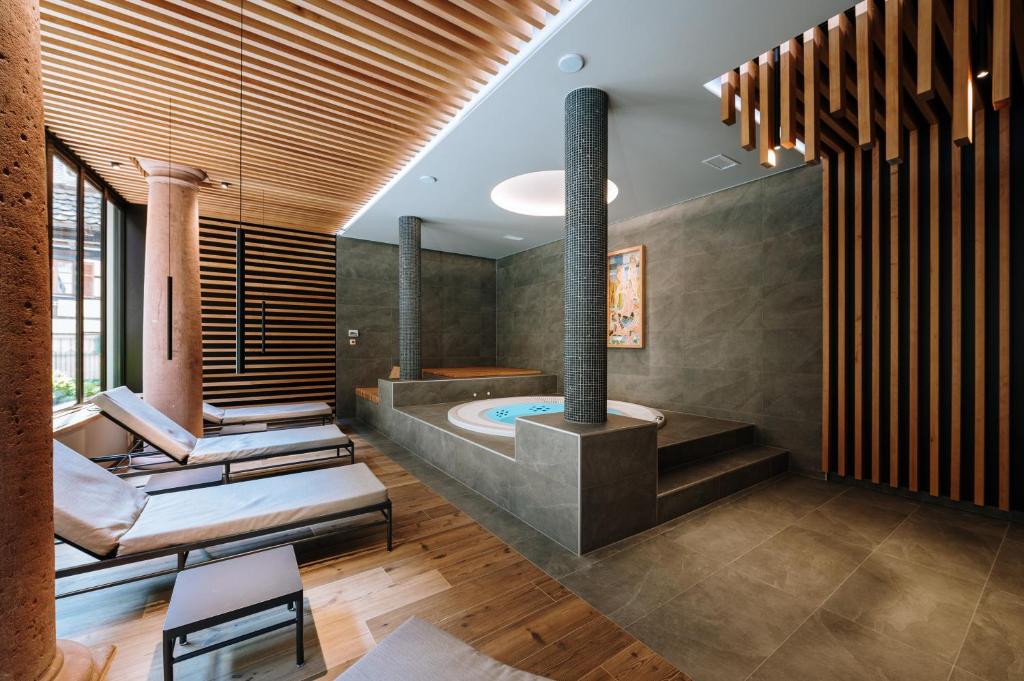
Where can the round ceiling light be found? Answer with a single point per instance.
(541, 194)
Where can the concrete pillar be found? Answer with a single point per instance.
(28, 645)
(175, 385)
(409, 298)
(586, 252)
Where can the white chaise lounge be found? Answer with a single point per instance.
(421, 651)
(112, 521)
(150, 425)
(267, 413)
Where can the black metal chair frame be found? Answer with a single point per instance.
(111, 559)
(125, 468)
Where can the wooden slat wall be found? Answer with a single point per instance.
(920, 236)
(294, 273)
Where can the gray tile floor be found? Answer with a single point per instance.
(798, 579)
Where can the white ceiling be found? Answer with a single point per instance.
(652, 58)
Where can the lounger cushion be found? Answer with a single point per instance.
(91, 507)
(212, 413)
(210, 513)
(147, 422)
(417, 650)
(275, 412)
(269, 443)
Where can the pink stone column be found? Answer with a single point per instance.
(174, 386)
(29, 650)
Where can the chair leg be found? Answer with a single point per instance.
(388, 513)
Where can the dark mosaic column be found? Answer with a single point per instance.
(409, 297)
(586, 252)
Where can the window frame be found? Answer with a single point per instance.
(108, 327)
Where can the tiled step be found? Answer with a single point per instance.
(698, 483)
(685, 438)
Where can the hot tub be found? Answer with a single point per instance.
(498, 416)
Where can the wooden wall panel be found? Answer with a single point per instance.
(292, 274)
(918, 323)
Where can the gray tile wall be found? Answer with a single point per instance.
(458, 313)
(733, 310)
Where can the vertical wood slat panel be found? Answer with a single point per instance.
(748, 131)
(1004, 308)
(838, 28)
(934, 313)
(858, 314)
(962, 77)
(730, 83)
(1001, 66)
(894, 324)
(826, 310)
(841, 173)
(789, 56)
(979, 307)
(925, 49)
(812, 103)
(913, 242)
(766, 105)
(876, 313)
(956, 323)
(893, 87)
(865, 17)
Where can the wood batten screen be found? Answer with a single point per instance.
(338, 95)
(907, 104)
(289, 284)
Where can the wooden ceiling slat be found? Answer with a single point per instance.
(338, 95)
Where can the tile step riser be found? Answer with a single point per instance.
(689, 498)
(680, 453)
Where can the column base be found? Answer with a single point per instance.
(75, 662)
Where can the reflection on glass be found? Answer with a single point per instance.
(92, 292)
(64, 207)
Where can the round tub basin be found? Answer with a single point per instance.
(498, 416)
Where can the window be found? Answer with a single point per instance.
(85, 231)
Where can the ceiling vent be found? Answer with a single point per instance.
(720, 162)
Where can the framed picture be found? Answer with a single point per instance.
(626, 298)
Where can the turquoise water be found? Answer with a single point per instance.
(510, 413)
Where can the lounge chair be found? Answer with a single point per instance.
(418, 650)
(115, 523)
(149, 425)
(268, 413)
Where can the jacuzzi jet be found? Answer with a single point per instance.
(498, 416)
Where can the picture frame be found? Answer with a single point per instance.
(626, 311)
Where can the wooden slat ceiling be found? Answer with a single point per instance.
(338, 96)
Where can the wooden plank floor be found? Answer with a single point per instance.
(445, 569)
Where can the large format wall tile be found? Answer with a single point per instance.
(733, 302)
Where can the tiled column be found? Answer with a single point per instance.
(586, 252)
(409, 298)
(28, 645)
(173, 384)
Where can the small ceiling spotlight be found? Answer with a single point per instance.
(224, 184)
(982, 74)
(513, 237)
(115, 164)
(571, 63)
(428, 179)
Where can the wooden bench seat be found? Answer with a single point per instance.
(369, 394)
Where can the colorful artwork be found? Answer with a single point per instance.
(626, 298)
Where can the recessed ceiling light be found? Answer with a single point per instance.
(571, 63)
(541, 194)
(513, 237)
(982, 74)
(115, 164)
(428, 179)
(224, 184)
(721, 162)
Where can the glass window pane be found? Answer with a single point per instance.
(114, 322)
(64, 207)
(92, 292)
